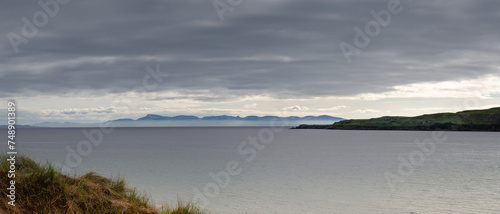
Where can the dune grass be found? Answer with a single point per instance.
(45, 189)
(181, 208)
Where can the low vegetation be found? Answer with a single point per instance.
(473, 120)
(44, 189)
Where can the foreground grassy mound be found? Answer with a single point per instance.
(473, 120)
(44, 189)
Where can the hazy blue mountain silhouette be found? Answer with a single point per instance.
(155, 117)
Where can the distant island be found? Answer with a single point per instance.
(221, 120)
(154, 120)
(155, 117)
(471, 120)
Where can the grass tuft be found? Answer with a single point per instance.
(182, 208)
(45, 189)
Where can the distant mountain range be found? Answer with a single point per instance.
(154, 120)
(221, 120)
(155, 117)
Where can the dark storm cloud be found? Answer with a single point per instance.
(278, 48)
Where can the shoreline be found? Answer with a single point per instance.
(472, 120)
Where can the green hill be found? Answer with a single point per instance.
(471, 120)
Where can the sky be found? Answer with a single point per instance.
(90, 61)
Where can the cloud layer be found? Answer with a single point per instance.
(277, 49)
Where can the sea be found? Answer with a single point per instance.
(264, 170)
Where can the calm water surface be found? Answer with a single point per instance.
(298, 171)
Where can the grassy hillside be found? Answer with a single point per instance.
(472, 120)
(44, 189)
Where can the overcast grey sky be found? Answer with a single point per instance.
(86, 61)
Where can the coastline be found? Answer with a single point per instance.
(473, 120)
